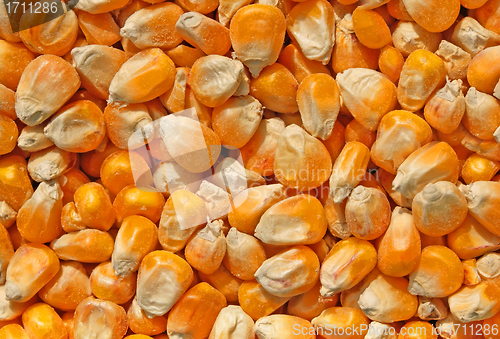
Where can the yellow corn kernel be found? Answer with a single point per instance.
(410, 36)
(487, 148)
(134, 201)
(335, 143)
(343, 319)
(136, 237)
(50, 163)
(204, 33)
(472, 37)
(348, 262)
(257, 33)
(439, 273)
(310, 304)
(154, 26)
(7, 102)
(486, 295)
(483, 71)
(94, 317)
(479, 168)
(439, 209)
(335, 216)
(370, 28)
(33, 102)
(412, 91)
(14, 57)
(367, 213)
(482, 114)
(368, 95)
(184, 56)
(311, 26)
(56, 36)
(455, 59)
(259, 152)
(42, 321)
(13, 331)
(348, 170)
(99, 29)
(68, 287)
(106, 285)
(233, 323)
(434, 16)
(224, 281)
(244, 254)
(140, 323)
(116, 170)
(390, 63)
(31, 267)
(96, 7)
(431, 309)
(286, 325)
(399, 248)
(242, 114)
(94, 206)
(89, 246)
(195, 313)
(206, 250)
(6, 252)
(71, 221)
(482, 198)
(9, 133)
(256, 301)
(292, 58)
(183, 213)
(354, 131)
(163, 278)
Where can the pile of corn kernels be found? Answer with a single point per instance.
(239, 169)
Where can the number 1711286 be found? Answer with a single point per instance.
(31, 7)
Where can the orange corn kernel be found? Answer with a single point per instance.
(14, 57)
(482, 114)
(195, 312)
(244, 254)
(106, 285)
(367, 212)
(91, 162)
(134, 201)
(7, 215)
(397, 9)
(7, 102)
(39, 219)
(93, 317)
(9, 133)
(479, 168)
(140, 323)
(483, 71)
(116, 170)
(50, 163)
(434, 16)
(183, 213)
(370, 28)
(203, 33)
(348, 170)
(354, 131)
(11, 311)
(301, 274)
(47, 74)
(13, 331)
(412, 91)
(31, 267)
(318, 100)
(83, 94)
(390, 63)
(42, 321)
(241, 113)
(144, 67)
(88, 246)
(341, 318)
(335, 143)
(387, 300)
(70, 182)
(285, 325)
(482, 198)
(427, 240)
(410, 36)
(97, 65)
(310, 304)
(77, 127)
(203, 7)
(303, 165)
(349, 52)
(256, 301)
(154, 26)
(16, 238)
(184, 56)
(487, 148)
(94, 206)
(348, 262)
(127, 125)
(399, 248)
(417, 330)
(313, 21)
(56, 36)
(163, 278)
(487, 15)
(99, 29)
(68, 287)
(471, 239)
(292, 58)
(439, 273)
(257, 33)
(424, 166)
(6, 252)
(472, 37)
(206, 250)
(368, 95)
(455, 137)
(259, 152)
(224, 281)
(400, 133)
(136, 237)
(439, 209)
(298, 220)
(205, 79)
(473, 4)
(276, 89)
(486, 295)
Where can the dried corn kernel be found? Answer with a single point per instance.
(133, 201)
(14, 57)
(483, 72)
(106, 285)
(99, 29)
(370, 28)
(282, 326)
(343, 319)
(233, 323)
(292, 58)
(94, 206)
(455, 59)
(256, 301)
(139, 322)
(89, 246)
(206, 250)
(244, 254)
(486, 302)
(42, 321)
(482, 197)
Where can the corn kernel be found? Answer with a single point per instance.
(482, 197)
(282, 326)
(134, 201)
(343, 319)
(7, 102)
(410, 36)
(431, 309)
(455, 59)
(184, 56)
(89, 246)
(140, 323)
(99, 29)
(483, 72)
(224, 281)
(13, 331)
(206, 250)
(14, 57)
(256, 301)
(50, 163)
(233, 323)
(486, 302)
(94, 206)
(42, 321)
(244, 254)
(292, 58)
(370, 28)
(108, 286)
